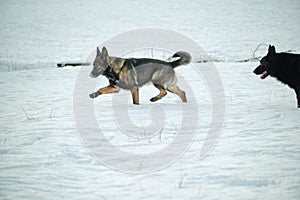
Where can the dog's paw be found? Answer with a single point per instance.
(153, 99)
(93, 95)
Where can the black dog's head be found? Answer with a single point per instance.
(264, 68)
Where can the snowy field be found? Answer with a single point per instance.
(42, 153)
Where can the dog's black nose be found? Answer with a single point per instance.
(92, 75)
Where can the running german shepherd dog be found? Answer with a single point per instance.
(283, 66)
(132, 73)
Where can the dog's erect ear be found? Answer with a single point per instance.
(98, 52)
(270, 46)
(271, 50)
(105, 54)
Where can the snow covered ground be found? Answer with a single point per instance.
(42, 156)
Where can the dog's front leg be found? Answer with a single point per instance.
(297, 90)
(106, 90)
(135, 96)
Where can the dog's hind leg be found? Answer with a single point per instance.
(106, 90)
(176, 90)
(135, 96)
(162, 92)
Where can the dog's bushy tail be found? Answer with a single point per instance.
(184, 59)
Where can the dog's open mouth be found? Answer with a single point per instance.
(264, 75)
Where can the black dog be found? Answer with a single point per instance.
(283, 66)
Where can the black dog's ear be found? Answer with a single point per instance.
(98, 52)
(270, 46)
(271, 50)
(105, 54)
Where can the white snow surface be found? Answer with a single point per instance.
(257, 155)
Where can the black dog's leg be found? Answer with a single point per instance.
(297, 90)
